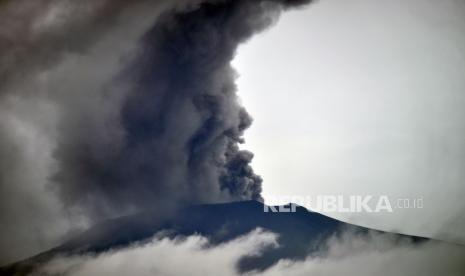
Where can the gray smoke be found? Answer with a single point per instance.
(174, 135)
(112, 106)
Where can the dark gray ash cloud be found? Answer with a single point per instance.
(112, 106)
(179, 124)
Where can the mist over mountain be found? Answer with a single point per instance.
(299, 234)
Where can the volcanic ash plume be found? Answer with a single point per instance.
(113, 106)
(180, 121)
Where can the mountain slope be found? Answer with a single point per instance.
(300, 232)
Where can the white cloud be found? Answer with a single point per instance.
(378, 255)
(351, 254)
(189, 256)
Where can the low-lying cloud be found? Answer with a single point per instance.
(349, 254)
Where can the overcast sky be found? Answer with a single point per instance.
(363, 97)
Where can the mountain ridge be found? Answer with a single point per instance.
(299, 233)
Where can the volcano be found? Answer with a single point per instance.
(300, 232)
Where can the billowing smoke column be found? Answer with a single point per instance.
(112, 106)
(181, 121)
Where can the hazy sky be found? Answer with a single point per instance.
(363, 97)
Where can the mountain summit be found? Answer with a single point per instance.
(299, 233)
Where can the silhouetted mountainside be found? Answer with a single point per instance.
(300, 232)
